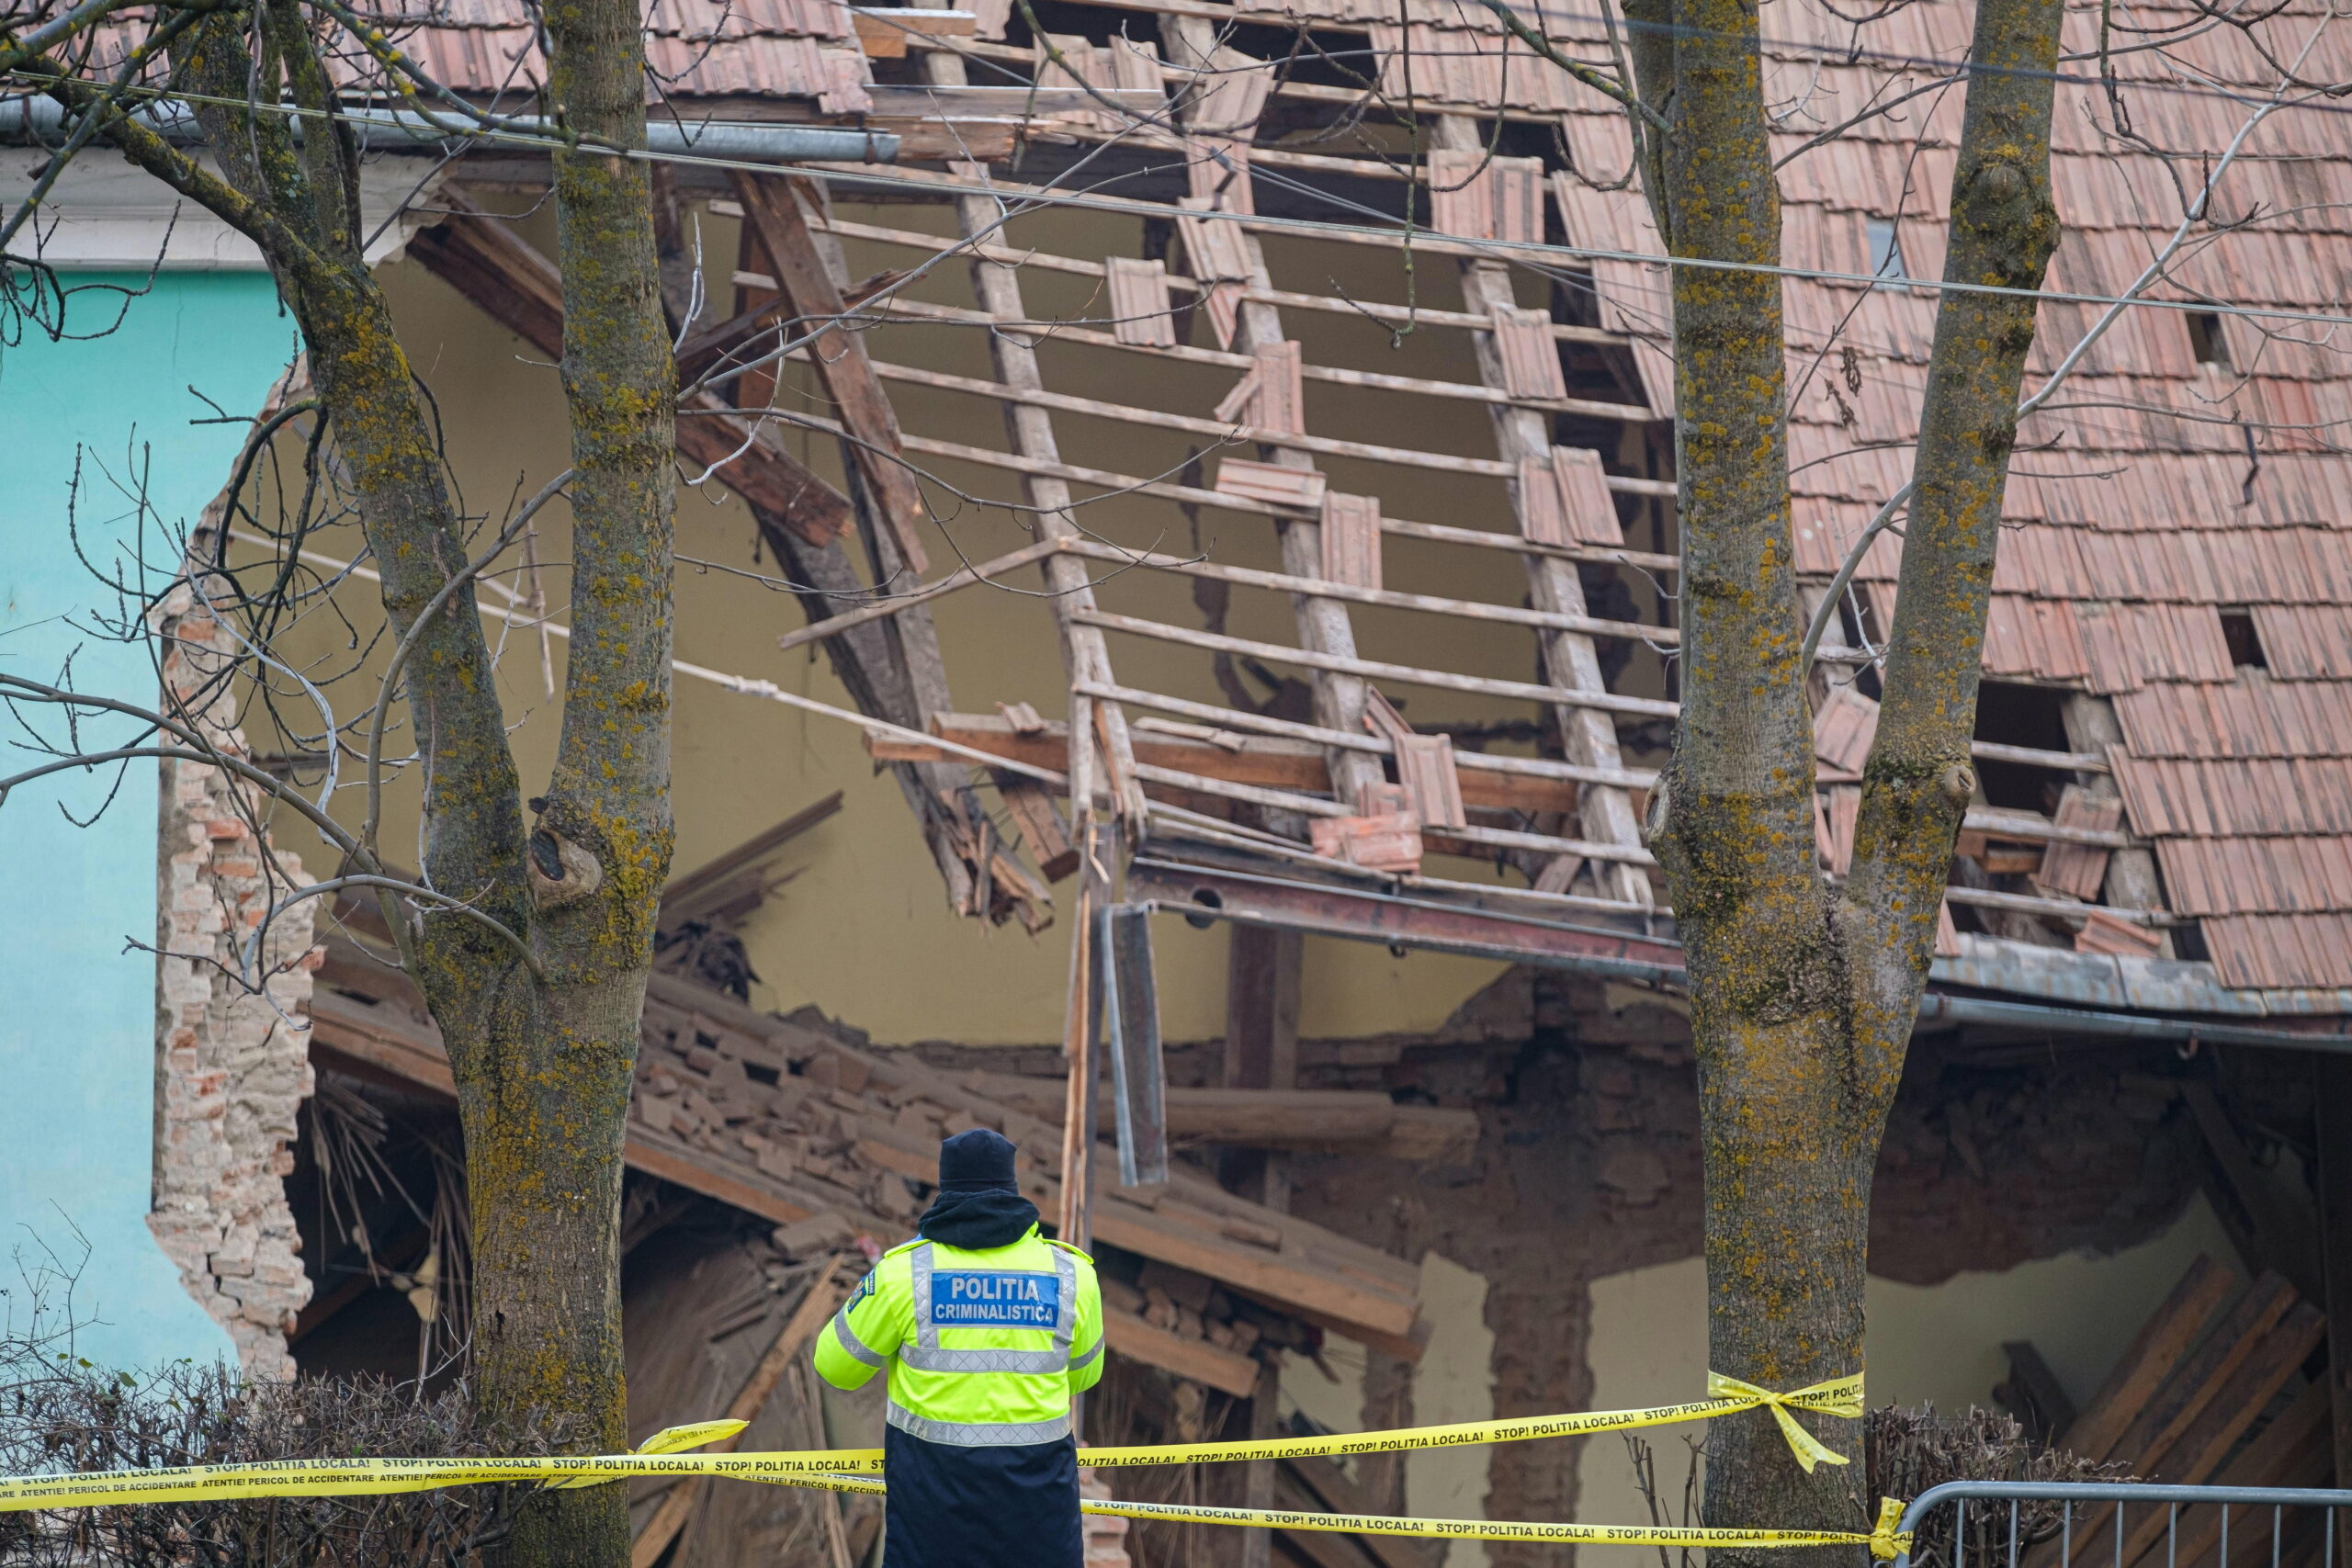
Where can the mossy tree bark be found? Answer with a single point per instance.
(545, 1111)
(542, 1050)
(1804, 998)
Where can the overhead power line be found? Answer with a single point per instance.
(1039, 196)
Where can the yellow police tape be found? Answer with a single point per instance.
(1839, 1396)
(853, 1469)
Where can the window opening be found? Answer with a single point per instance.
(2205, 340)
(2245, 642)
(1886, 251)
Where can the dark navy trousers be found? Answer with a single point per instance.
(980, 1507)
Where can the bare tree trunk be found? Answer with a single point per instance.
(546, 1107)
(542, 1046)
(1802, 1003)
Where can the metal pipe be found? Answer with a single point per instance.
(1936, 1006)
(741, 140)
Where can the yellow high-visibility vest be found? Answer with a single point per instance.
(983, 1349)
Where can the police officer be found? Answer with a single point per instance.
(988, 1329)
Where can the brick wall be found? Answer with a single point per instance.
(232, 1066)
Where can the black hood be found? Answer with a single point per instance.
(977, 1221)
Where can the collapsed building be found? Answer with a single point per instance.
(1308, 373)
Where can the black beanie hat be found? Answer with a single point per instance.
(979, 1160)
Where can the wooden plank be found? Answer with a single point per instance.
(1228, 1372)
(681, 899)
(1477, 761)
(375, 1035)
(519, 289)
(2241, 1397)
(1334, 1491)
(1264, 1275)
(1374, 594)
(2004, 823)
(1106, 479)
(2293, 1451)
(2146, 1443)
(1421, 316)
(2285, 1240)
(817, 1304)
(699, 1172)
(2203, 1373)
(1255, 423)
(2148, 1362)
(1334, 1119)
(962, 577)
(773, 209)
(2033, 1393)
(1268, 763)
(1600, 701)
(1264, 970)
(1039, 823)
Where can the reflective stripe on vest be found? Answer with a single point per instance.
(851, 1342)
(926, 1354)
(977, 1433)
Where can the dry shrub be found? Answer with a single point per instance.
(59, 1413)
(1908, 1451)
(1913, 1449)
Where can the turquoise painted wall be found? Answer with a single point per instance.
(77, 1011)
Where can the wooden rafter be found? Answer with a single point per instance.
(773, 209)
(892, 672)
(513, 283)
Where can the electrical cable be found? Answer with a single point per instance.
(1136, 206)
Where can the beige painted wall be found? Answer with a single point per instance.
(864, 931)
(1937, 1345)
(1452, 1383)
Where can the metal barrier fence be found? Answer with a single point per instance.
(2025, 1524)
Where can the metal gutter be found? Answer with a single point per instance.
(1938, 1007)
(757, 140)
(2127, 985)
(1376, 914)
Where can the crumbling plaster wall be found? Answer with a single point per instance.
(232, 1063)
(1588, 1169)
